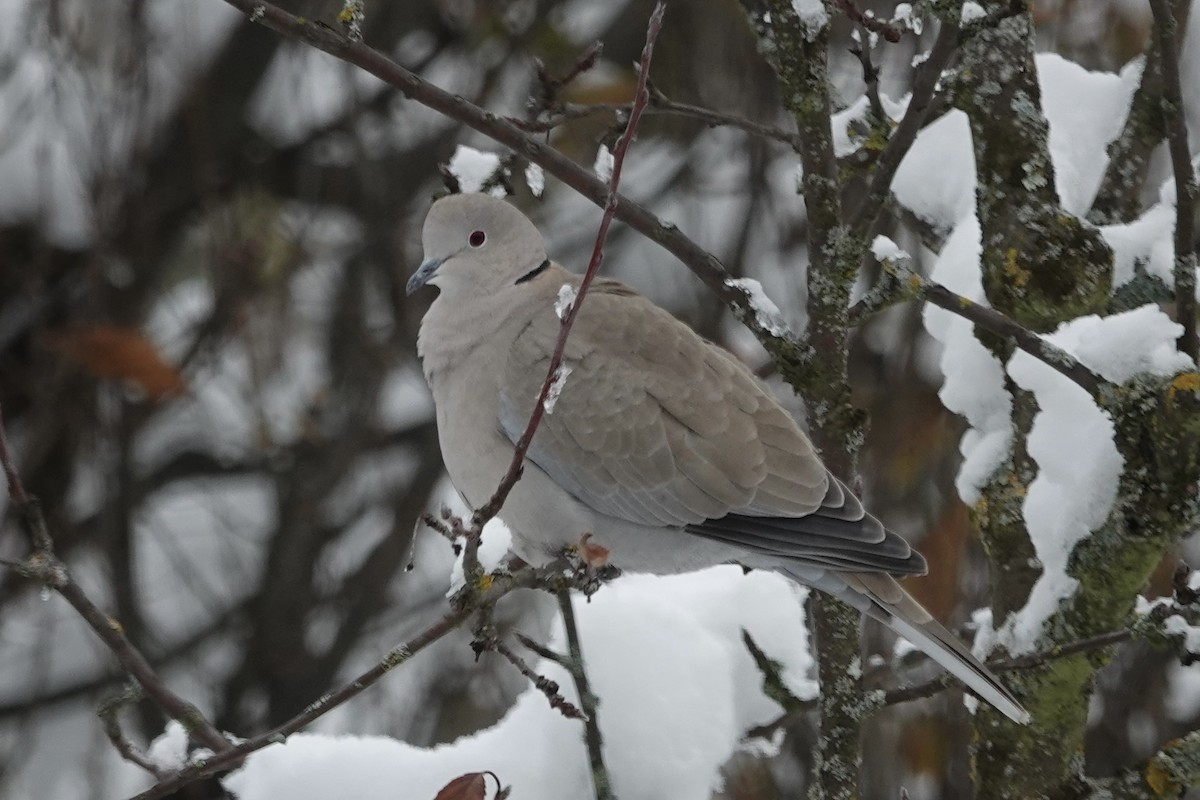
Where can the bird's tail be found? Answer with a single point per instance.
(879, 596)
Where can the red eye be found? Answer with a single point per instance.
(477, 238)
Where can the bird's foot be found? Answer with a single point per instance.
(588, 564)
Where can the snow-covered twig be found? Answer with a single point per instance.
(109, 713)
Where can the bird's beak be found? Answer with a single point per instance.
(423, 274)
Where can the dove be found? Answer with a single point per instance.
(661, 448)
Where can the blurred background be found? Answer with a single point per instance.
(208, 370)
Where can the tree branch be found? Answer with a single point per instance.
(862, 218)
(574, 665)
(1185, 179)
(42, 565)
(703, 264)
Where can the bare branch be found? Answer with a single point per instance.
(925, 82)
(109, 712)
(702, 263)
(540, 682)
(1185, 178)
(869, 21)
(42, 565)
(659, 104)
(905, 284)
(574, 665)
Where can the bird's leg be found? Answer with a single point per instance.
(589, 565)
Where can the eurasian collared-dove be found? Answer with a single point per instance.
(661, 445)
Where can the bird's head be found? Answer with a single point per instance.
(477, 244)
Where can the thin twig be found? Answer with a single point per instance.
(44, 566)
(869, 21)
(861, 50)
(589, 701)
(277, 735)
(541, 650)
(492, 507)
(924, 86)
(659, 105)
(1185, 179)
(543, 684)
(908, 284)
(548, 578)
(702, 263)
(109, 713)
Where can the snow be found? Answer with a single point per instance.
(603, 165)
(769, 317)
(677, 693)
(848, 123)
(884, 249)
(1072, 442)
(472, 168)
(1086, 110)
(973, 378)
(972, 11)
(170, 750)
(812, 16)
(494, 544)
(942, 149)
(536, 179)
(905, 17)
(1176, 625)
(556, 386)
(566, 299)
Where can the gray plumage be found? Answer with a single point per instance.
(663, 446)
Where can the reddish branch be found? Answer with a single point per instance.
(641, 97)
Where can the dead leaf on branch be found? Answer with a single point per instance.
(471, 786)
(117, 353)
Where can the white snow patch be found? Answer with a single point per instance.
(812, 16)
(973, 383)
(1072, 442)
(906, 18)
(1085, 111)
(494, 544)
(170, 749)
(667, 730)
(1177, 625)
(1183, 692)
(472, 168)
(972, 11)
(536, 179)
(566, 299)
(884, 249)
(556, 387)
(603, 165)
(849, 124)
(769, 317)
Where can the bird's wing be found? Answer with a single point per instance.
(656, 426)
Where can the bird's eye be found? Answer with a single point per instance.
(477, 238)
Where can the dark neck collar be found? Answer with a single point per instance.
(533, 273)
